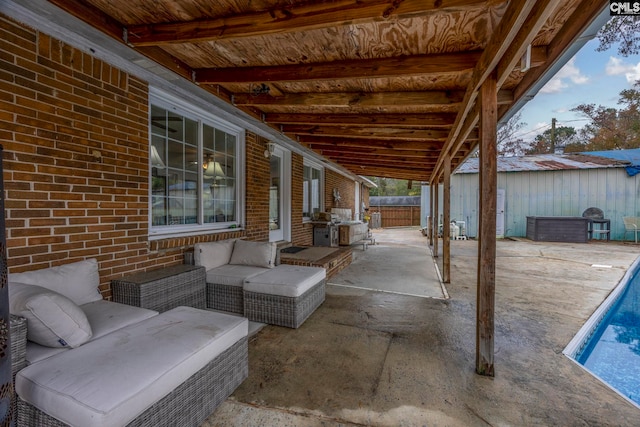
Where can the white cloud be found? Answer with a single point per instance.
(616, 67)
(567, 73)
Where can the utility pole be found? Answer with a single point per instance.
(553, 135)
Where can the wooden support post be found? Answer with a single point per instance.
(487, 231)
(446, 221)
(431, 211)
(435, 219)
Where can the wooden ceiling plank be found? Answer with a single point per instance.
(432, 120)
(365, 142)
(302, 17)
(351, 99)
(384, 161)
(418, 65)
(362, 132)
(383, 165)
(376, 152)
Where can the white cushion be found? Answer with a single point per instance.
(77, 281)
(213, 254)
(110, 381)
(37, 352)
(108, 316)
(257, 254)
(53, 320)
(104, 317)
(286, 280)
(232, 275)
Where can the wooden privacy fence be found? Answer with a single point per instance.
(397, 216)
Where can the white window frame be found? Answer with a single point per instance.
(179, 106)
(314, 165)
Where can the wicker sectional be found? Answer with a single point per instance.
(286, 295)
(189, 404)
(137, 367)
(281, 310)
(225, 297)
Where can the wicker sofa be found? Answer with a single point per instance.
(243, 278)
(87, 361)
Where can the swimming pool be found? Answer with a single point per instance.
(608, 345)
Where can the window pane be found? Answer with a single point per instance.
(193, 167)
(158, 121)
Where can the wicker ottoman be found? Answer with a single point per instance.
(285, 295)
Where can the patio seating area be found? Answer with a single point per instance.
(386, 359)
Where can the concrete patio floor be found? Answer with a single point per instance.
(385, 359)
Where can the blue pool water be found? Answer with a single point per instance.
(613, 350)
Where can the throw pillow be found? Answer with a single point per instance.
(213, 254)
(257, 254)
(77, 281)
(53, 320)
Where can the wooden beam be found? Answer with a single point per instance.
(570, 31)
(353, 99)
(446, 220)
(287, 19)
(526, 33)
(513, 18)
(383, 162)
(417, 121)
(430, 217)
(366, 132)
(91, 15)
(436, 216)
(416, 65)
(362, 151)
(408, 166)
(383, 174)
(487, 231)
(505, 62)
(396, 144)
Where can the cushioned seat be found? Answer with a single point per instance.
(285, 295)
(224, 286)
(228, 263)
(104, 317)
(110, 381)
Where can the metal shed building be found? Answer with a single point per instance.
(550, 185)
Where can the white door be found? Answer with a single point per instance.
(500, 213)
(280, 196)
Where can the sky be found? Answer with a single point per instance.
(590, 77)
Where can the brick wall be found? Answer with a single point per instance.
(258, 176)
(75, 137)
(301, 232)
(346, 188)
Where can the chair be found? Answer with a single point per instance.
(596, 217)
(632, 224)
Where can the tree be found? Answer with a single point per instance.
(610, 128)
(394, 187)
(509, 144)
(621, 30)
(551, 139)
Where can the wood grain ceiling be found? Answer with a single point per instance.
(380, 87)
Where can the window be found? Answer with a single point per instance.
(312, 189)
(194, 160)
